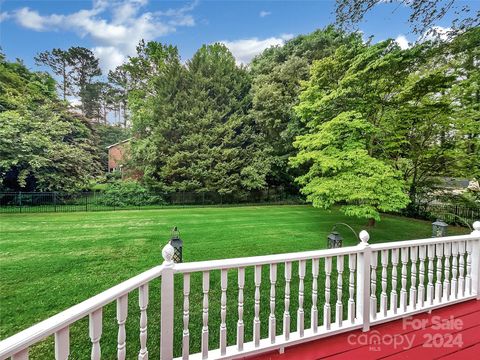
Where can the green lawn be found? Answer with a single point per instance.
(49, 262)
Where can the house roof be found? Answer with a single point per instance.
(118, 143)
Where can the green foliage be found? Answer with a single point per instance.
(276, 83)
(43, 147)
(412, 100)
(192, 131)
(128, 193)
(342, 172)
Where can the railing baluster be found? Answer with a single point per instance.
(438, 283)
(430, 287)
(413, 284)
(454, 285)
(461, 277)
(373, 285)
(403, 291)
(286, 313)
(352, 265)
(421, 284)
(186, 317)
(62, 344)
(301, 289)
(122, 308)
(393, 294)
(256, 319)
(384, 297)
(314, 312)
(339, 305)
(240, 324)
(205, 288)
(95, 330)
(21, 355)
(272, 323)
(223, 311)
(468, 279)
(326, 307)
(447, 249)
(143, 304)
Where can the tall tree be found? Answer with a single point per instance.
(277, 75)
(120, 81)
(406, 96)
(191, 127)
(85, 67)
(43, 147)
(58, 61)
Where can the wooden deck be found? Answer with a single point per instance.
(451, 333)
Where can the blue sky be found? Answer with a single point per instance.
(113, 28)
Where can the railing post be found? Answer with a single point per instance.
(363, 281)
(476, 259)
(167, 289)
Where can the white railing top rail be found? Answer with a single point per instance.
(428, 241)
(314, 254)
(43, 329)
(261, 260)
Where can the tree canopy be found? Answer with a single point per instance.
(42, 145)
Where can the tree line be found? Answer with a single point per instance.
(370, 127)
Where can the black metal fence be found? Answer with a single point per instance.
(30, 202)
(451, 213)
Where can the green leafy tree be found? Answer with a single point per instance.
(408, 97)
(341, 171)
(277, 75)
(43, 147)
(191, 127)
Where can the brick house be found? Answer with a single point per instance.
(117, 154)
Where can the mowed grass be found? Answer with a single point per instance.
(51, 261)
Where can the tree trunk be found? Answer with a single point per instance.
(371, 222)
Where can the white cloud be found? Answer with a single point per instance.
(436, 33)
(264, 13)
(245, 50)
(402, 41)
(117, 38)
(4, 16)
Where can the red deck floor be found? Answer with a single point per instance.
(450, 333)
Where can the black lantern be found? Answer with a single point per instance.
(439, 228)
(177, 244)
(334, 240)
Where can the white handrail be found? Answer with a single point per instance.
(38, 332)
(262, 260)
(427, 241)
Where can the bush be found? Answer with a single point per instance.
(128, 193)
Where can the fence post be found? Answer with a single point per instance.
(166, 311)
(363, 281)
(476, 259)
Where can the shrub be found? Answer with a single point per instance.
(128, 193)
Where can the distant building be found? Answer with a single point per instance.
(117, 155)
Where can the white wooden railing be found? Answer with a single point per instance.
(454, 259)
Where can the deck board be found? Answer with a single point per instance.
(415, 339)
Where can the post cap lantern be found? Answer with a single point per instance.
(334, 240)
(177, 244)
(439, 228)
